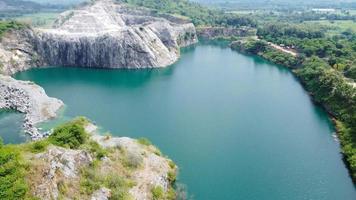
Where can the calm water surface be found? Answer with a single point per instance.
(238, 127)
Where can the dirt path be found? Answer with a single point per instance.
(291, 52)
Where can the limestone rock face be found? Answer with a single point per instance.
(17, 52)
(101, 194)
(30, 99)
(107, 34)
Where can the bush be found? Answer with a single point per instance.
(39, 146)
(157, 193)
(132, 159)
(1, 142)
(119, 187)
(144, 141)
(172, 176)
(92, 180)
(12, 174)
(6, 26)
(96, 149)
(71, 134)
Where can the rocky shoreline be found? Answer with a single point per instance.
(29, 99)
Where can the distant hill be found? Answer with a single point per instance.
(266, 4)
(15, 8)
(8, 5)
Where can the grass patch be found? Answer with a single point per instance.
(93, 147)
(93, 179)
(6, 26)
(38, 146)
(12, 174)
(157, 193)
(132, 160)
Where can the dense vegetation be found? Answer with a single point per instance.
(199, 15)
(279, 5)
(12, 174)
(338, 50)
(338, 96)
(261, 48)
(9, 25)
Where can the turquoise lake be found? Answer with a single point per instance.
(238, 127)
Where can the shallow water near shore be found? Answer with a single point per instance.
(11, 127)
(237, 126)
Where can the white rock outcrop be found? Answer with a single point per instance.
(30, 99)
(107, 34)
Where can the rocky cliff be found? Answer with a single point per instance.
(107, 34)
(101, 168)
(17, 52)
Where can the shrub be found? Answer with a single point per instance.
(172, 176)
(6, 26)
(71, 134)
(144, 141)
(171, 164)
(1, 142)
(12, 174)
(132, 159)
(118, 185)
(39, 146)
(92, 180)
(96, 149)
(157, 193)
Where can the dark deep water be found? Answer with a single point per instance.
(238, 127)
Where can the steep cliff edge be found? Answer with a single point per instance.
(107, 34)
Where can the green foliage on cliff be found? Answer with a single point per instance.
(260, 47)
(6, 26)
(92, 180)
(339, 50)
(199, 14)
(328, 86)
(71, 134)
(339, 97)
(12, 174)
